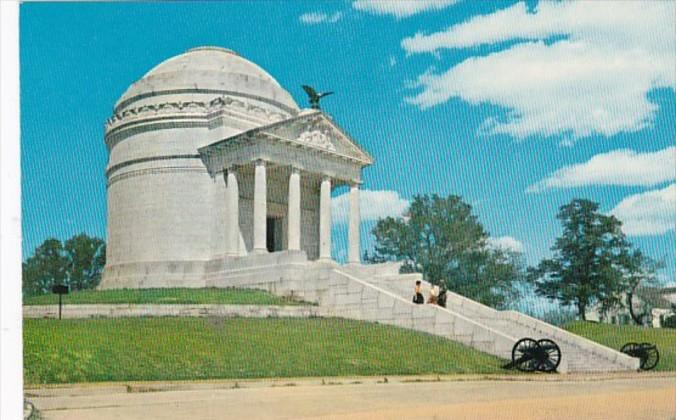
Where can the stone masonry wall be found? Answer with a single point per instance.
(185, 310)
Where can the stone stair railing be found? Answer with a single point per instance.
(355, 298)
(593, 355)
(342, 294)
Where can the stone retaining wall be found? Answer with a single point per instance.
(133, 310)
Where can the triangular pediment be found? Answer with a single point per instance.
(312, 130)
(315, 130)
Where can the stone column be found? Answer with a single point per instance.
(325, 219)
(294, 211)
(232, 207)
(260, 211)
(353, 256)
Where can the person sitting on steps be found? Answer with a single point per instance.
(434, 295)
(418, 296)
(441, 299)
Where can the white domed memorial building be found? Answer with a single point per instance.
(214, 168)
(216, 178)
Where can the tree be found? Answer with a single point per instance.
(45, 268)
(443, 240)
(588, 262)
(640, 271)
(670, 320)
(86, 259)
(79, 264)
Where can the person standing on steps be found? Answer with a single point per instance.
(418, 296)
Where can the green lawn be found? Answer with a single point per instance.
(615, 336)
(125, 349)
(166, 296)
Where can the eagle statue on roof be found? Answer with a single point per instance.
(314, 96)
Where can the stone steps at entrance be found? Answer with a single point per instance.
(377, 293)
(582, 354)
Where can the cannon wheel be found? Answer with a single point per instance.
(553, 356)
(646, 352)
(650, 356)
(522, 350)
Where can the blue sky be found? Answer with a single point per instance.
(516, 107)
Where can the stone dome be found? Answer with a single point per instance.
(212, 70)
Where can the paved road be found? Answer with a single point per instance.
(649, 398)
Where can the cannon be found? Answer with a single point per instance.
(529, 355)
(646, 352)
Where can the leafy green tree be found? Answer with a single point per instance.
(589, 260)
(442, 239)
(670, 321)
(45, 268)
(79, 264)
(640, 271)
(86, 259)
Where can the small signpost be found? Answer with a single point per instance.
(60, 289)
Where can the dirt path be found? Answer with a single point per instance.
(629, 398)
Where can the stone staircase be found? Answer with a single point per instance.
(378, 293)
(579, 354)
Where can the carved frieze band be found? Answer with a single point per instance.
(317, 138)
(199, 108)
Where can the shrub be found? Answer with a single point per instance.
(669, 322)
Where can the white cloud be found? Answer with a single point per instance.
(506, 243)
(315, 18)
(649, 213)
(574, 68)
(373, 205)
(618, 167)
(400, 8)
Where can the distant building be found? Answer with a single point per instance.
(660, 301)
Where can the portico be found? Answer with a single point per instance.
(280, 178)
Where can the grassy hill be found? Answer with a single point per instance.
(615, 336)
(124, 349)
(229, 296)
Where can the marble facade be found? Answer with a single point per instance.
(210, 158)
